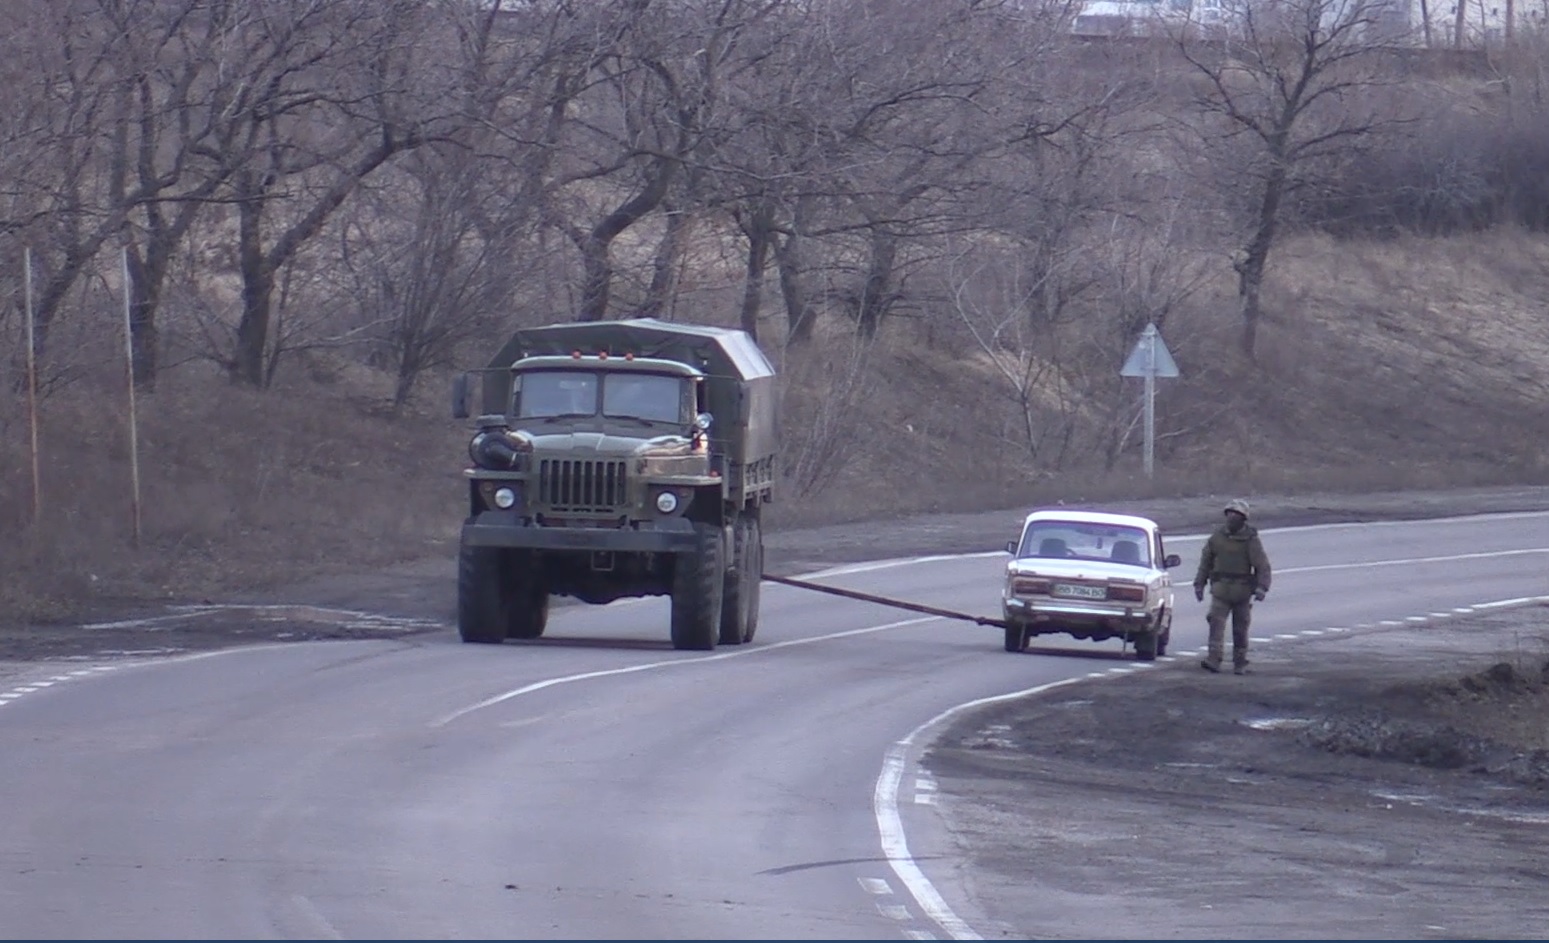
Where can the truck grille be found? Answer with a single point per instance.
(565, 485)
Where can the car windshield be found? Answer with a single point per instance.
(547, 393)
(651, 396)
(1081, 540)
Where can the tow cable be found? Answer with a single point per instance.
(884, 601)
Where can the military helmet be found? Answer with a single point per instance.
(1238, 505)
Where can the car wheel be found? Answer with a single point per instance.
(1016, 638)
(1147, 645)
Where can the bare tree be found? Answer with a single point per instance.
(331, 93)
(1288, 76)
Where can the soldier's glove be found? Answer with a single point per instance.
(1199, 593)
(1258, 594)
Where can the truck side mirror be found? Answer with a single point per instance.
(1011, 547)
(460, 384)
(1172, 560)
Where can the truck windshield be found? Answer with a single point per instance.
(650, 396)
(547, 393)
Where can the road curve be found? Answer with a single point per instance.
(594, 783)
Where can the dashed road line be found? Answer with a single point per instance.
(33, 687)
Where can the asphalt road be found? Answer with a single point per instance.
(596, 783)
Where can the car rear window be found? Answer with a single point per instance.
(1082, 540)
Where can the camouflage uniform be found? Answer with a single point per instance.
(1233, 562)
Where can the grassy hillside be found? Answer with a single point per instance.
(1405, 363)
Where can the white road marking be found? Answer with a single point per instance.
(1504, 603)
(919, 934)
(1412, 561)
(875, 886)
(890, 826)
(318, 923)
(894, 911)
(675, 663)
(1415, 619)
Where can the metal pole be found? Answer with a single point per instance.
(32, 389)
(1150, 336)
(134, 438)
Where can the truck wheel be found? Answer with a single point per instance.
(698, 580)
(527, 613)
(482, 602)
(1166, 635)
(756, 574)
(739, 595)
(1016, 638)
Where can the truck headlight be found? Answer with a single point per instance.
(666, 502)
(504, 498)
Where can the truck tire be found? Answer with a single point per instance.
(756, 571)
(1165, 636)
(739, 597)
(483, 605)
(1016, 638)
(698, 581)
(527, 612)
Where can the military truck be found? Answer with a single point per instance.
(612, 459)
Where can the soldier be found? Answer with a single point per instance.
(1233, 562)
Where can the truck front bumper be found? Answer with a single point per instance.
(506, 529)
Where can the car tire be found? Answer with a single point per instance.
(1016, 638)
(1146, 645)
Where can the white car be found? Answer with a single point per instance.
(1091, 575)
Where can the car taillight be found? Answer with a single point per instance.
(1127, 593)
(1022, 586)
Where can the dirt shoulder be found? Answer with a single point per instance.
(1376, 784)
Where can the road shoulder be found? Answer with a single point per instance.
(1390, 782)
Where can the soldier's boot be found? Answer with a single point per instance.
(1241, 668)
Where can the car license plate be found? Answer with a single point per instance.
(1080, 592)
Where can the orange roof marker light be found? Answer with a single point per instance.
(602, 355)
(630, 355)
(575, 355)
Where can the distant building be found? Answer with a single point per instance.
(1402, 22)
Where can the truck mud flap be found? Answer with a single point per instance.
(884, 601)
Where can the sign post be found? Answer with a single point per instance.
(1150, 359)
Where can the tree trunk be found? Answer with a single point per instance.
(596, 265)
(1255, 255)
(759, 236)
(799, 317)
(144, 297)
(875, 297)
(247, 362)
(664, 267)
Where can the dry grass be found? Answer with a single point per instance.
(1411, 363)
